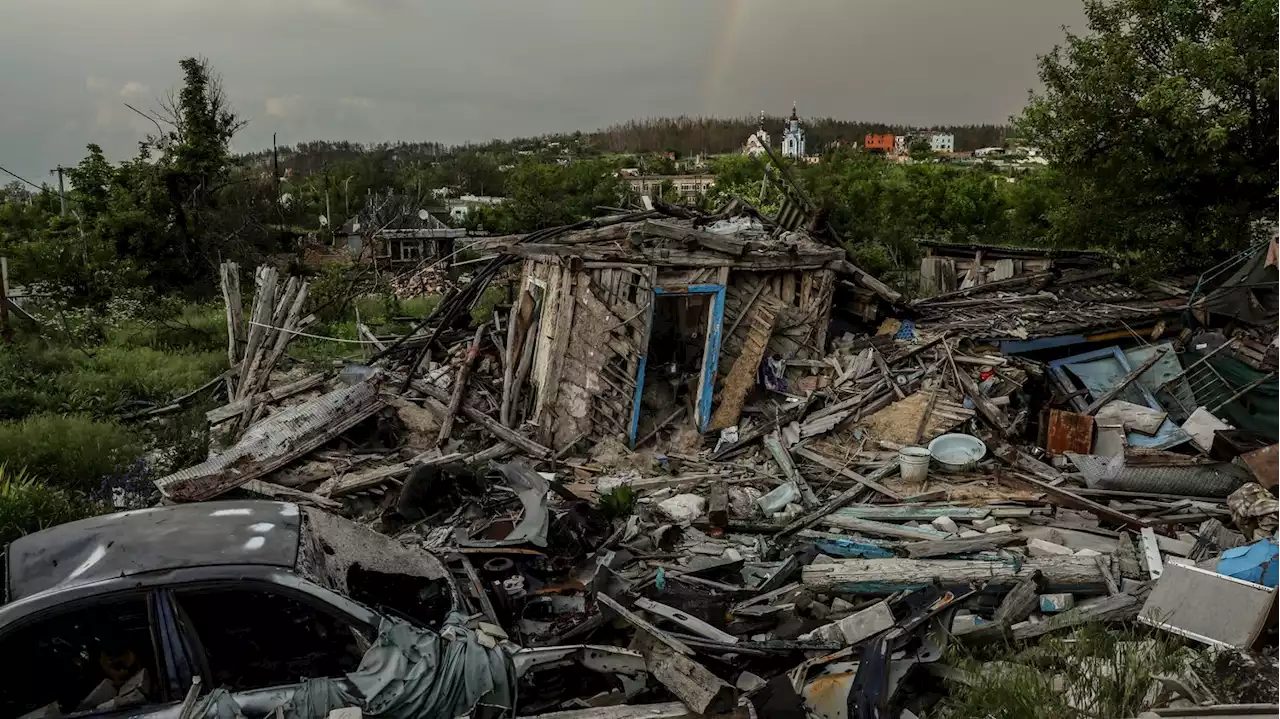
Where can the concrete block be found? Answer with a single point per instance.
(1041, 548)
(1054, 603)
(748, 682)
(1131, 586)
(823, 559)
(840, 606)
(970, 534)
(346, 713)
(1000, 529)
(966, 622)
(856, 627)
(946, 524)
(984, 524)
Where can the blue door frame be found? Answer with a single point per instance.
(710, 354)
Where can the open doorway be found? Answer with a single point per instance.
(678, 368)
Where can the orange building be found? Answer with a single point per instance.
(878, 143)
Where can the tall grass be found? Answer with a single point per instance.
(1091, 672)
(72, 452)
(28, 505)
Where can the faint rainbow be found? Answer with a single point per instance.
(726, 40)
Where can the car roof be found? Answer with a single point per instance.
(147, 540)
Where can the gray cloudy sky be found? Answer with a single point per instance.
(460, 70)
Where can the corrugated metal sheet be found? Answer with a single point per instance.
(274, 442)
(1218, 479)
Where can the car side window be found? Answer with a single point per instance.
(254, 639)
(98, 657)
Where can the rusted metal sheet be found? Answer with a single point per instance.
(1264, 464)
(1070, 432)
(274, 442)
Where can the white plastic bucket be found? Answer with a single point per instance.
(913, 463)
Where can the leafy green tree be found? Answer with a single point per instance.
(1162, 121)
(920, 150)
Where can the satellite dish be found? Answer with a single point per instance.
(324, 221)
(423, 214)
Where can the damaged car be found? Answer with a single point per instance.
(118, 614)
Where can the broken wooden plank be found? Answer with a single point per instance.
(927, 549)
(718, 506)
(689, 681)
(690, 624)
(227, 411)
(486, 422)
(870, 481)
(988, 411)
(361, 481)
(1114, 608)
(367, 335)
(1016, 606)
(914, 513)
(460, 386)
(644, 626)
(229, 273)
(788, 466)
(477, 586)
(1125, 381)
(886, 576)
(1072, 500)
(887, 374)
(742, 375)
(274, 442)
(281, 492)
(1151, 552)
(882, 529)
(663, 710)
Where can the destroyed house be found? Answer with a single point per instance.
(1048, 302)
(637, 322)
(948, 266)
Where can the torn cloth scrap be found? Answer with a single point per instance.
(1254, 511)
(412, 672)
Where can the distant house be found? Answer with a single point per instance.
(397, 232)
(942, 142)
(461, 207)
(878, 143)
(757, 141)
(690, 187)
(985, 151)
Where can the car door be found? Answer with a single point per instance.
(92, 656)
(258, 640)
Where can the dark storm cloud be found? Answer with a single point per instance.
(471, 70)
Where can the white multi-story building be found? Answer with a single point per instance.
(793, 137)
(942, 142)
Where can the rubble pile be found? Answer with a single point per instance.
(809, 531)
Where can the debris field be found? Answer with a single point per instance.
(714, 469)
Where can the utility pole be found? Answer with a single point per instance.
(275, 169)
(62, 195)
(6, 332)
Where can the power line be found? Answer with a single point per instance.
(20, 177)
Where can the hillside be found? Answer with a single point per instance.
(683, 135)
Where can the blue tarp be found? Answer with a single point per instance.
(1255, 562)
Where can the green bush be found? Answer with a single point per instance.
(72, 452)
(169, 324)
(35, 378)
(28, 505)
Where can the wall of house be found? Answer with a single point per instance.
(588, 350)
(804, 299)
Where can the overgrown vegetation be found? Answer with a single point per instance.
(1092, 672)
(28, 504)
